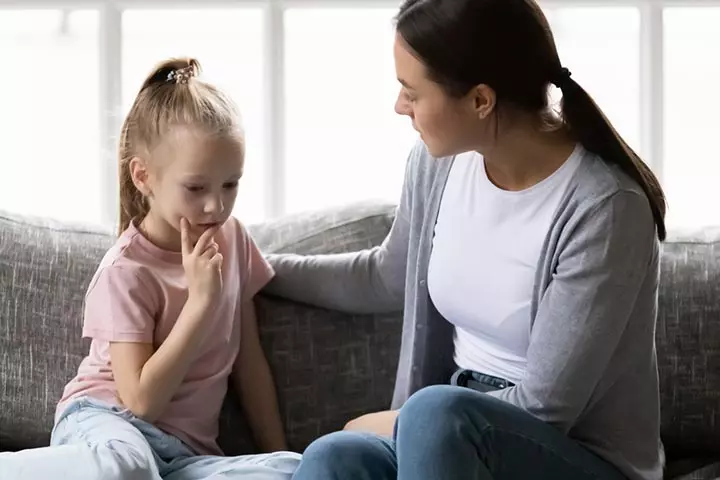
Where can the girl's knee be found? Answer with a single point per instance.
(123, 461)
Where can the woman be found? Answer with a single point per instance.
(525, 248)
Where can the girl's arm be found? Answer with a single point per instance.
(147, 379)
(253, 381)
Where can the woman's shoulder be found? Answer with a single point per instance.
(604, 195)
(598, 180)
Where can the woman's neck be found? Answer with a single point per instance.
(525, 155)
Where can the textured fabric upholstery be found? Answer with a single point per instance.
(329, 367)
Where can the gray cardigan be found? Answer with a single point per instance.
(591, 363)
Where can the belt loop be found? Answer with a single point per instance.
(460, 378)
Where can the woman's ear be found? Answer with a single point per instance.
(484, 100)
(140, 176)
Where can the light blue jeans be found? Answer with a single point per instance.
(93, 440)
(454, 433)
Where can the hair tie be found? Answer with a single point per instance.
(561, 78)
(181, 75)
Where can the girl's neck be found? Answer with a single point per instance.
(160, 233)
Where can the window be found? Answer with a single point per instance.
(316, 85)
(48, 118)
(344, 140)
(599, 45)
(228, 45)
(692, 124)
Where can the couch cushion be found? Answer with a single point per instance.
(343, 229)
(688, 342)
(329, 367)
(45, 267)
(693, 469)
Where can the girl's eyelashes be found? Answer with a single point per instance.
(200, 188)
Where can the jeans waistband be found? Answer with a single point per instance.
(479, 381)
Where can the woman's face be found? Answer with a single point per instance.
(447, 125)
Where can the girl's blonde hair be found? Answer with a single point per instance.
(170, 97)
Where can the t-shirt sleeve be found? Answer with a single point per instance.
(255, 272)
(119, 307)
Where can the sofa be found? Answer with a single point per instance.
(329, 366)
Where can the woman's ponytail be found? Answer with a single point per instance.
(593, 130)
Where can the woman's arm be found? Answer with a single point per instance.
(587, 307)
(254, 383)
(369, 281)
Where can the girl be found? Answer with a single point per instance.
(170, 310)
(525, 250)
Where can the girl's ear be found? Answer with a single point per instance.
(140, 175)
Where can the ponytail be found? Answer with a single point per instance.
(133, 205)
(593, 130)
(132, 202)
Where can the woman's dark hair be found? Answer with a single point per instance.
(508, 45)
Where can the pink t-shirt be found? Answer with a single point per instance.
(137, 295)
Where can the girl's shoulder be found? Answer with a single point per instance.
(235, 235)
(127, 266)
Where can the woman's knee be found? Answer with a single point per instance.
(342, 447)
(439, 399)
(344, 453)
(440, 407)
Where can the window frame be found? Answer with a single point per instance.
(651, 67)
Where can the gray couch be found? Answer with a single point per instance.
(329, 366)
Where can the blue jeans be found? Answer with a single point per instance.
(454, 433)
(93, 440)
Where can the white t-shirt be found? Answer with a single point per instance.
(484, 257)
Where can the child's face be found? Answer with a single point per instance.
(195, 176)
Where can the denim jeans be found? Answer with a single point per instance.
(93, 440)
(454, 433)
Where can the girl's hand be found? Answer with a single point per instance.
(202, 264)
